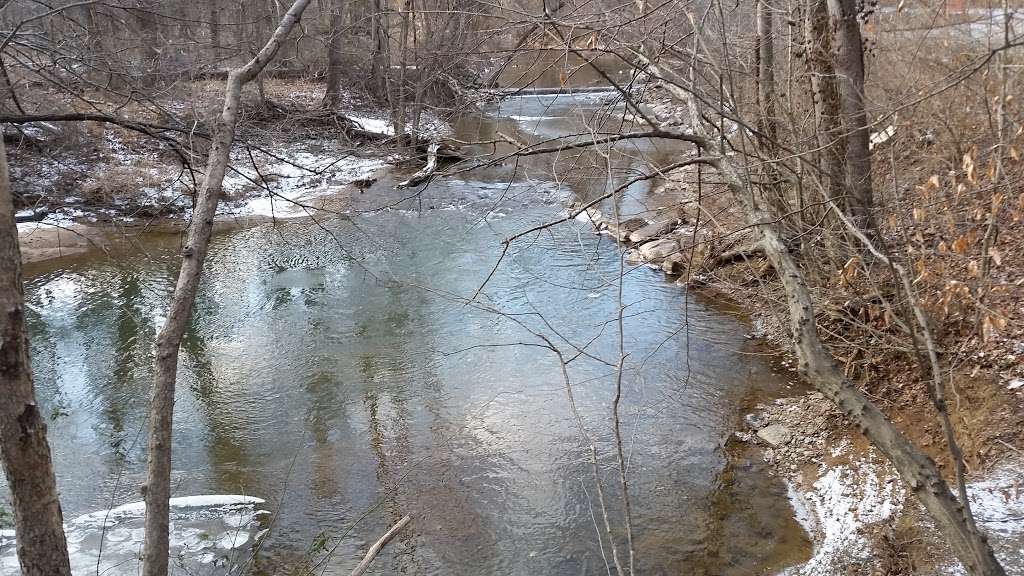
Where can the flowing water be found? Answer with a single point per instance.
(335, 369)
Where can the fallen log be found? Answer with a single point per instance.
(427, 171)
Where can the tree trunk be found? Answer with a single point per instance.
(825, 93)
(214, 7)
(766, 71)
(333, 87)
(38, 522)
(850, 74)
(158, 482)
(380, 60)
(767, 97)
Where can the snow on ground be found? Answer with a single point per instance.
(376, 125)
(430, 125)
(844, 499)
(209, 534)
(299, 174)
(997, 501)
(862, 491)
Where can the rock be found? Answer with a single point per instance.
(775, 435)
(755, 420)
(625, 227)
(653, 230)
(675, 263)
(659, 249)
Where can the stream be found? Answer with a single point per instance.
(335, 370)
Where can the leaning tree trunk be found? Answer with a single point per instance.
(817, 364)
(38, 523)
(158, 482)
(850, 74)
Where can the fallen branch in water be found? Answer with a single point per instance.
(427, 171)
(371, 554)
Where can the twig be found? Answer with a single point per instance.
(371, 554)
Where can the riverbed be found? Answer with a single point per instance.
(377, 361)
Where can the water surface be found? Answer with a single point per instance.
(337, 369)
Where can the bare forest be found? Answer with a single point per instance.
(526, 287)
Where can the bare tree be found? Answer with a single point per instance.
(42, 550)
(158, 482)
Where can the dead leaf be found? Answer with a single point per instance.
(968, 166)
(960, 245)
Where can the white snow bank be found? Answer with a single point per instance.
(210, 534)
(300, 174)
(375, 125)
(997, 501)
(845, 498)
(139, 508)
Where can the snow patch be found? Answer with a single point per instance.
(997, 501)
(845, 499)
(375, 125)
(298, 175)
(210, 534)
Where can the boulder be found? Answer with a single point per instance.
(675, 263)
(775, 435)
(658, 250)
(655, 229)
(625, 227)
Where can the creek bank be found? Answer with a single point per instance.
(848, 497)
(852, 501)
(109, 184)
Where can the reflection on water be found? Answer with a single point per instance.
(335, 369)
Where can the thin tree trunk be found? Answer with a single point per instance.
(380, 61)
(214, 7)
(158, 482)
(767, 97)
(38, 522)
(766, 70)
(850, 74)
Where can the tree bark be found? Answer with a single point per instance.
(38, 521)
(158, 482)
(850, 74)
(334, 66)
(825, 93)
(766, 70)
